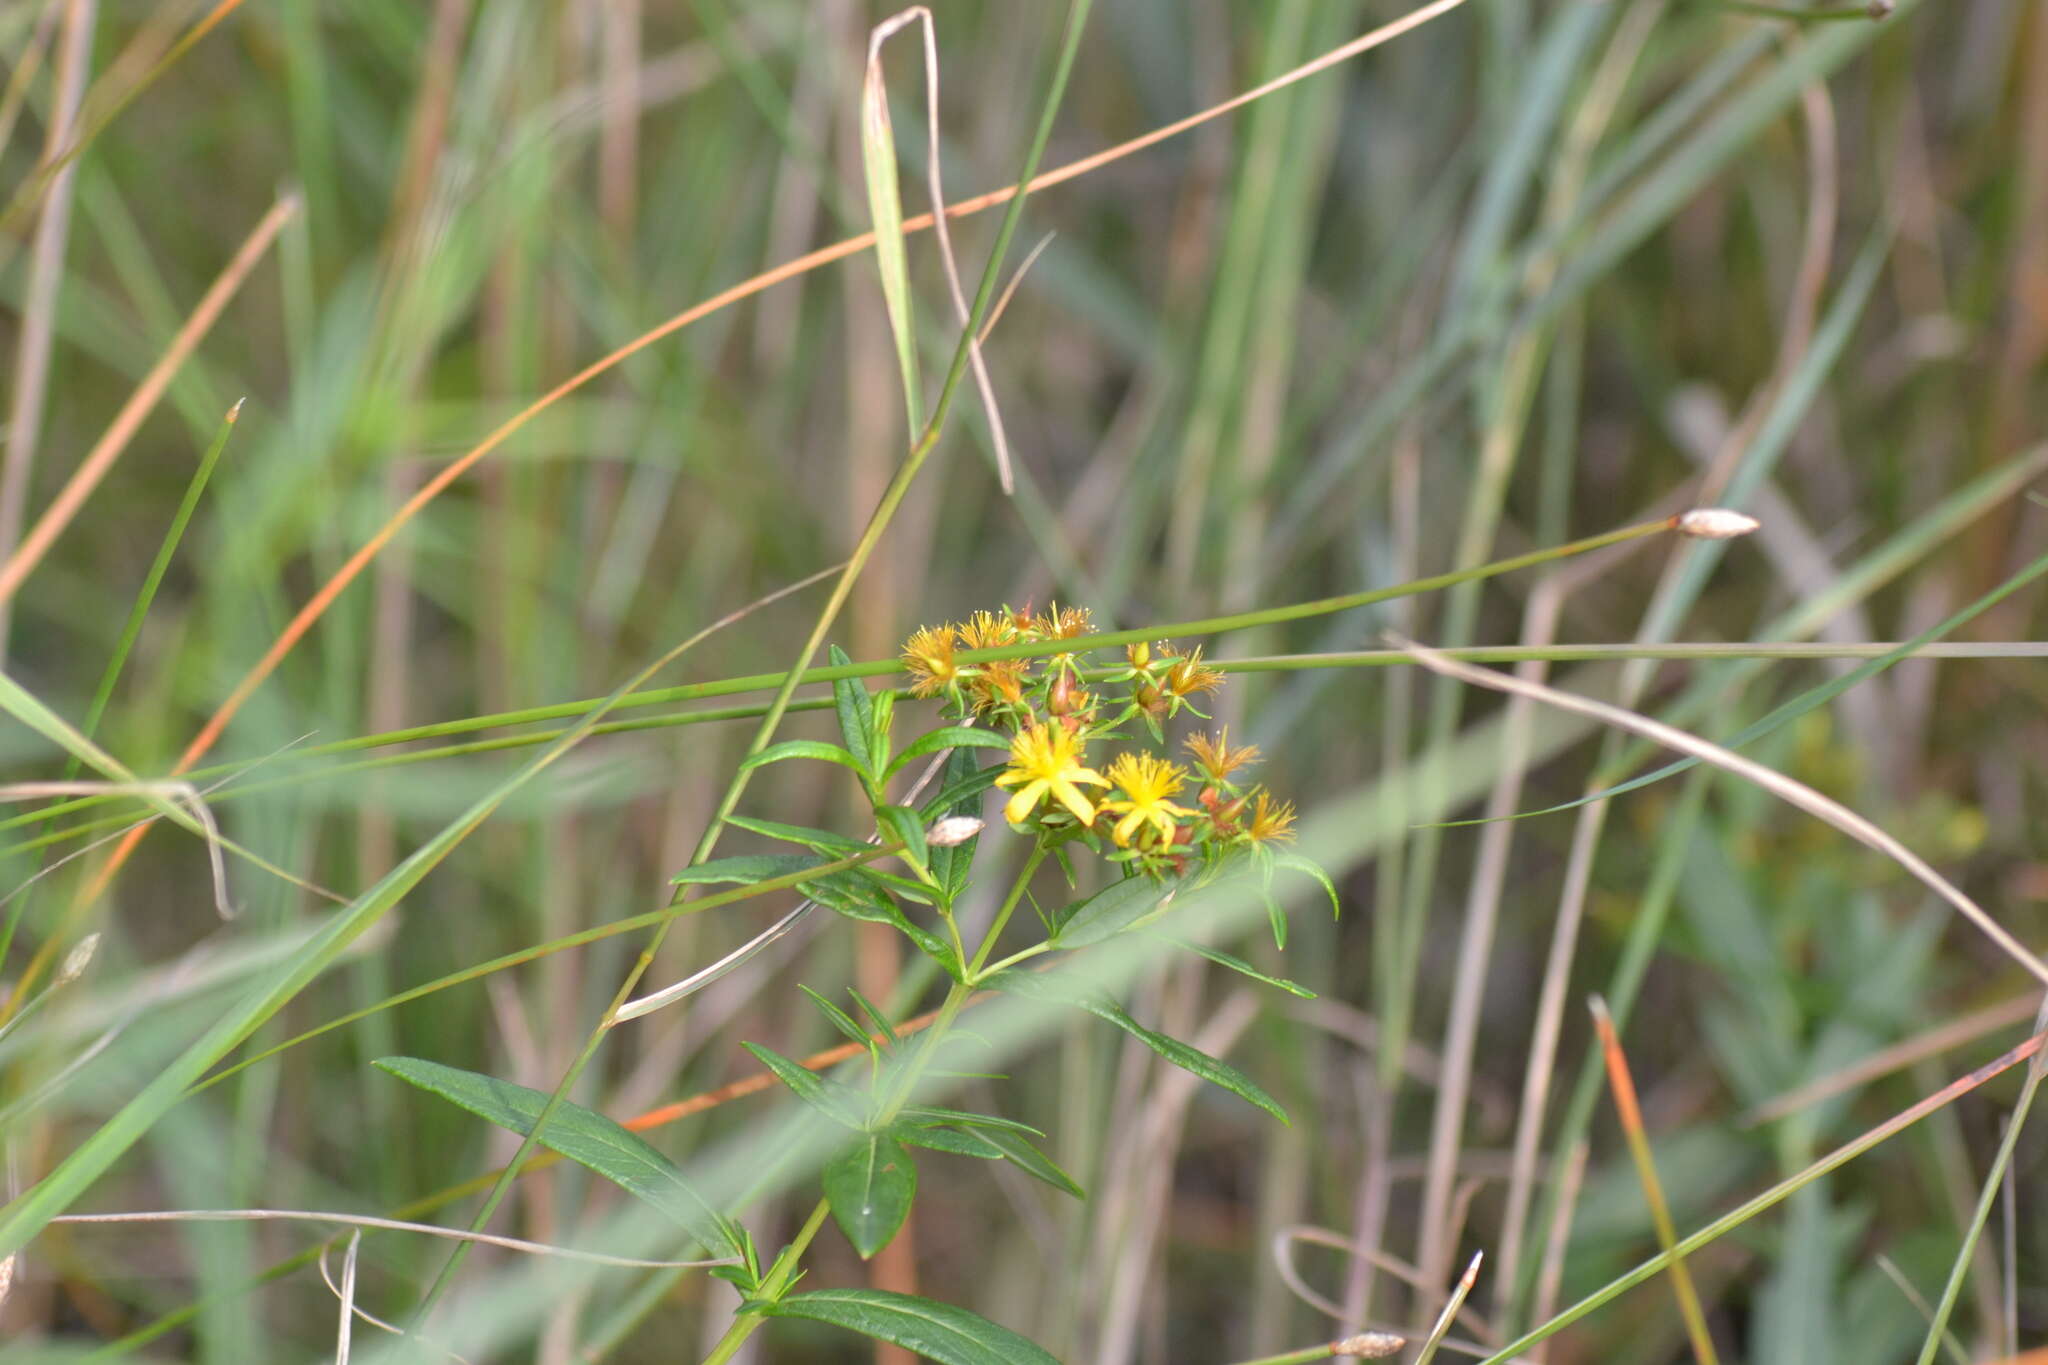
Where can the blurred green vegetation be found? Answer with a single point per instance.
(1534, 270)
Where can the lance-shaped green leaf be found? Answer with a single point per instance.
(1186, 1056)
(958, 1141)
(937, 1331)
(584, 1136)
(963, 781)
(905, 826)
(1112, 910)
(1030, 1160)
(806, 748)
(870, 1186)
(1240, 966)
(947, 737)
(809, 1087)
(856, 710)
(823, 840)
(950, 866)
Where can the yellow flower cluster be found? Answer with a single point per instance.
(1054, 711)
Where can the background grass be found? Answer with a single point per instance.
(1529, 272)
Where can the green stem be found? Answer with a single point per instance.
(1009, 906)
(777, 1279)
(772, 1286)
(1206, 625)
(1306, 1353)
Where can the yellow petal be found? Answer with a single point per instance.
(1069, 795)
(1021, 805)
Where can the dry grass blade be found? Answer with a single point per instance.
(1450, 1313)
(347, 1297)
(1624, 1087)
(38, 320)
(355, 1220)
(359, 1314)
(1921, 1046)
(961, 309)
(885, 206)
(108, 449)
(1785, 788)
(184, 793)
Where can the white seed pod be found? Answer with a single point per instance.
(1370, 1346)
(1716, 523)
(953, 831)
(77, 960)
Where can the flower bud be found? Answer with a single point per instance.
(953, 831)
(1059, 698)
(1715, 523)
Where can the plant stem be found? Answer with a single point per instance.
(1002, 919)
(772, 1286)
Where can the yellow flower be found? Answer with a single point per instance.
(1272, 821)
(1063, 623)
(986, 630)
(1189, 674)
(928, 656)
(1045, 759)
(1214, 757)
(1146, 782)
(999, 684)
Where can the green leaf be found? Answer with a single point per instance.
(1031, 1161)
(856, 711)
(971, 782)
(1295, 862)
(808, 1086)
(950, 866)
(746, 870)
(937, 1331)
(1275, 917)
(906, 827)
(582, 1135)
(878, 742)
(947, 737)
(1238, 964)
(823, 840)
(1183, 1055)
(958, 1141)
(870, 1186)
(927, 1113)
(806, 748)
(838, 1018)
(879, 1020)
(1111, 910)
